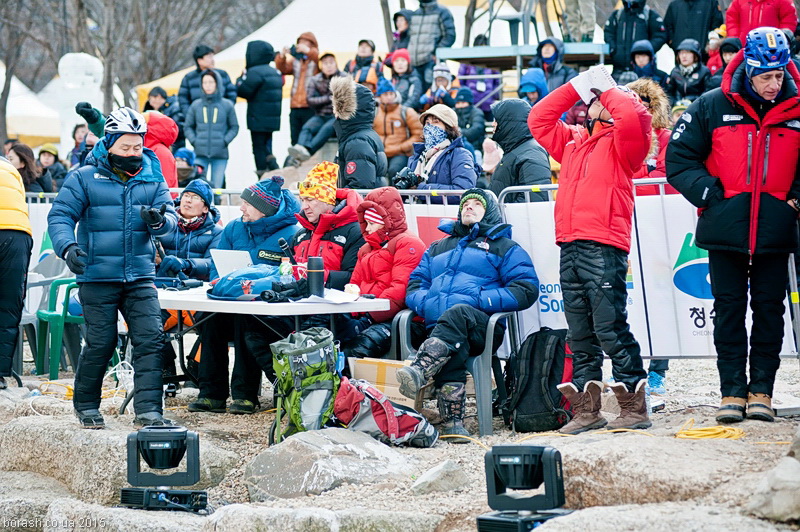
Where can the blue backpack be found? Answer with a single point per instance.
(245, 284)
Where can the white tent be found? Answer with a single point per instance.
(27, 117)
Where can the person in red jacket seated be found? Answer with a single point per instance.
(745, 15)
(161, 134)
(384, 266)
(593, 216)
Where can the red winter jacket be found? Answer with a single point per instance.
(745, 15)
(336, 238)
(161, 134)
(386, 261)
(662, 137)
(595, 191)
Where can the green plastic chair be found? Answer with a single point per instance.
(54, 318)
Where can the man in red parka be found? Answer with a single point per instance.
(734, 155)
(745, 15)
(384, 266)
(593, 213)
(162, 131)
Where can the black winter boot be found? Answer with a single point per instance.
(90, 419)
(433, 354)
(152, 419)
(452, 403)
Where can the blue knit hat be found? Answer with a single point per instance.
(265, 195)
(186, 154)
(384, 85)
(464, 94)
(202, 189)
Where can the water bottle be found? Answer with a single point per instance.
(285, 271)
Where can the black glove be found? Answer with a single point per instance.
(271, 296)
(152, 217)
(88, 113)
(295, 290)
(74, 261)
(171, 266)
(405, 179)
(353, 327)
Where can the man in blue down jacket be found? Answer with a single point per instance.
(461, 280)
(118, 201)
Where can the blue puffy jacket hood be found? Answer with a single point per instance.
(534, 77)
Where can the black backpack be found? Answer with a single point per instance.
(534, 404)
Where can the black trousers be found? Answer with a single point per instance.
(298, 117)
(15, 255)
(215, 334)
(593, 281)
(463, 328)
(767, 277)
(262, 148)
(138, 303)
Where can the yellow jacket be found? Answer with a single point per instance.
(13, 208)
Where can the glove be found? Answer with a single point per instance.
(271, 296)
(153, 218)
(172, 266)
(349, 329)
(405, 179)
(439, 94)
(295, 290)
(423, 100)
(88, 113)
(74, 261)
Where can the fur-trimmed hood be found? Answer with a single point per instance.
(353, 105)
(647, 89)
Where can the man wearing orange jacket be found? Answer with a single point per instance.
(593, 215)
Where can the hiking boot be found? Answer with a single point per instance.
(205, 404)
(433, 354)
(759, 406)
(657, 383)
(299, 152)
(242, 406)
(152, 419)
(3, 384)
(633, 412)
(585, 407)
(452, 402)
(731, 410)
(91, 419)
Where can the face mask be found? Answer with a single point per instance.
(433, 135)
(128, 165)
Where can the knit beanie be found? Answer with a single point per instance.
(265, 195)
(372, 216)
(320, 183)
(186, 154)
(442, 71)
(384, 85)
(49, 148)
(401, 53)
(202, 189)
(472, 194)
(464, 94)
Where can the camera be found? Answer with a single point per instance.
(406, 179)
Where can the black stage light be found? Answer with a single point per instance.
(163, 448)
(522, 467)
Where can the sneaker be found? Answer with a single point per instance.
(152, 419)
(90, 419)
(204, 404)
(657, 383)
(242, 406)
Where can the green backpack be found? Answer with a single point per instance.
(307, 381)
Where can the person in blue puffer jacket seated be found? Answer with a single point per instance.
(441, 162)
(119, 201)
(461, 280)
(187, 251)
(268, 214)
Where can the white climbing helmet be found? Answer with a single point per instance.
(125, 120)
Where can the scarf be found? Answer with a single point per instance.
(433, 136)
(686, 71)
(192, 224)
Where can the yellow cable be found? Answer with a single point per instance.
(686, 432)
(541, 434)
(473, 440)
(772, 442)
(612, 431)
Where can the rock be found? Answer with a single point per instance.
(249, 517)
(316, 461)
(9, 399)
(91, 463)
(65, 514)
(447, 476)
(777, 497)
(364, 520)
(664, 517)
(25, 497)
(635, 469)
(252, 517)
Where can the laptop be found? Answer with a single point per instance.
(229, 260)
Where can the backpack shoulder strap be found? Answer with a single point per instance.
(523, 367)
(386, 405)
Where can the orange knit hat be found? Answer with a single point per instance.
(320, 183)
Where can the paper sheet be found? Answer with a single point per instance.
(597, 77)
